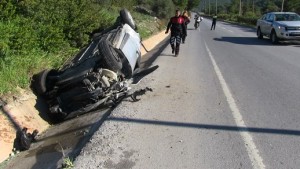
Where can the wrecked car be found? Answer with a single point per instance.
(98, 75)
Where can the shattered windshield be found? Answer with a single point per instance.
(287, 17)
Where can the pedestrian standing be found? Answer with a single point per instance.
(177, 27)
(186, 18)
(214, 22)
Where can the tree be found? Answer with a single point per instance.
(292, 5)
(234, 6)
(192, 4)
(181, 3)
(7, 9)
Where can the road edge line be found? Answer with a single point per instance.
(253, 153)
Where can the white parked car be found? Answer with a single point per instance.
(279, 26)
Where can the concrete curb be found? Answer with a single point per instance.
(153, 41)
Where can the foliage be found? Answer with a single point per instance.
(58, 21)
(292, 5)
(7, 10)
(247, 20)
(160, 8)
(148, 25)
(129, 4)
(182, 4)
(163, 9)
(67, 163)
(192, 4)
(251, 9)
(16, 70)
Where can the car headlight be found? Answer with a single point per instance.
(282, 28)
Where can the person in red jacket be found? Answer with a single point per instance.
(178, 29)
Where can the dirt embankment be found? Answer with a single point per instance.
(24, 111)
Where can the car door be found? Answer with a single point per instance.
(262, 23)
(269, 24)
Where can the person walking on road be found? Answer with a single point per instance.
(186, 22)
(214, 22)
(178, 29)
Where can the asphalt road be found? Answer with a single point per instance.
(229, 100)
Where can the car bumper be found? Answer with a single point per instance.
(289, 35)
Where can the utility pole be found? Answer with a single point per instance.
(253, 2)
(209, 7)
(216, 7)
(282, 5)
(205, 7)
(240, 10)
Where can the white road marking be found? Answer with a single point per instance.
(257, 161)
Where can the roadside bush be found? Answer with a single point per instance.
(17, 36)
(147, 25)
(229, 17)
(164, 9)
(58, 21)
(7, 10)
(129, 4)
(161, 8)
(224, 16)
(247, 20)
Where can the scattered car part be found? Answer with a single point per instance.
(24, 138)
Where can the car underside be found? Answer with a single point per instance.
(99, 75)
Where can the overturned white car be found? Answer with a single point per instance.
(97, 76)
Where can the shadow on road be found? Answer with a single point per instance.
(209, 126)
(243, 28)
(167, 54)
(152, 55)
(255, 41)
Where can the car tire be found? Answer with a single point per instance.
(126, 17)
(111, 59)
(273, 37)
(39, 82)
(259, 34)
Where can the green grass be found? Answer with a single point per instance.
(16, 70)
(67, 163)
(147, 25)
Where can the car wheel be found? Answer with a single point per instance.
(111, 59)
(127, 18)
(259, 34)
(274, 38)
(39, 82)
